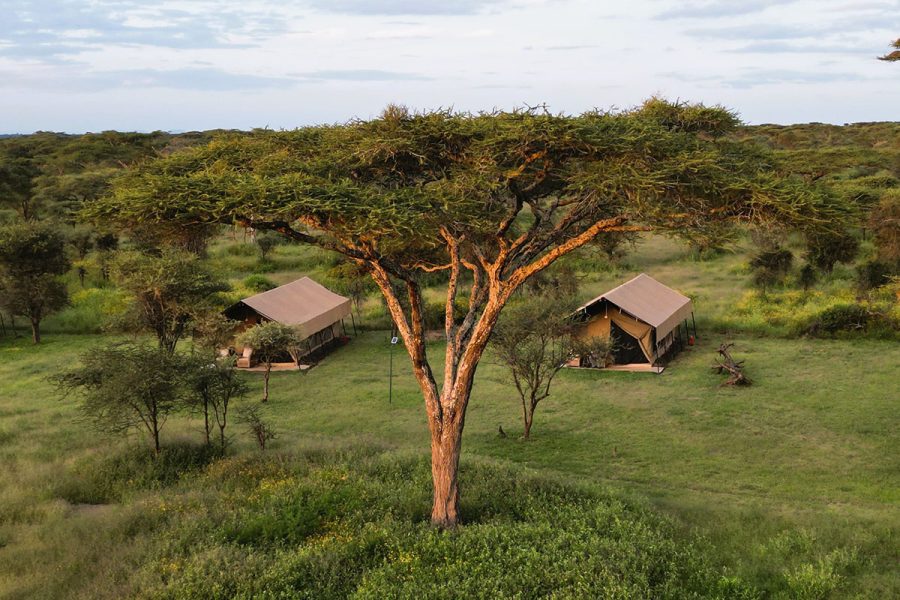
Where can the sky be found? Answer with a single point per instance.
(141, 65)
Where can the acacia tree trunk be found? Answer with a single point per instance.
(206, 427)
(266, 382)
(528, 417)
(36, 330)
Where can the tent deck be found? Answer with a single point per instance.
(631, 368)
(281, 366)
(635, 368)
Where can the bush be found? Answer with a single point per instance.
(873, 274)
(259, 283)
(841, 318)
(435, 313)
(265, 266)
(110, 479)
(90, 310)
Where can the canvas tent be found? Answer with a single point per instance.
(647, 320)
(313, 310)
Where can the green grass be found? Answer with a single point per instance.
(792, 480)
(790, 486)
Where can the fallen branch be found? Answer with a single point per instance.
(728, 365)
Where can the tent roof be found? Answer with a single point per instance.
(650, 301)
(302, 303)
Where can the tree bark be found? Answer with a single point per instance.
(445, 451)
(529, 419)
(206, 421)
(266, 382)
(36, 331)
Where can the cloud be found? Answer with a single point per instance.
(718, 9)
(360, 75)
(777, 47)
(756, 32)
(750, 78)
(572, 47)
(53, 30)
(199, 79)
(405, 7)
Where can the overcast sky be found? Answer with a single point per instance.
(90, 65)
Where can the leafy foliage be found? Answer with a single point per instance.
(127, 387)
(892, 56)
(32, 257)
(269, 341)
(212, 384)
(533, 339)
(350, 526)
(771, 265)
(169, 291)
(824, 249)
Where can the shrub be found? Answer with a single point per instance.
(434, 313)
(101, 480)
(259, 283)
(90, 310)
(770, 266)
(265, 266)
(841, 318)
(873, 274)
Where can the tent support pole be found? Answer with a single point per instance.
(694, 322)
(352, 320)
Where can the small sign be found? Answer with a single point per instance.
(394, 340)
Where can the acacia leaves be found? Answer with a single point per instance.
(388, 187)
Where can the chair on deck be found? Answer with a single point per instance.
(244, 361)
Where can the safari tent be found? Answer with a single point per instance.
(314, 311)
(647, 321)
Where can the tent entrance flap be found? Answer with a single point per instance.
(640, 331)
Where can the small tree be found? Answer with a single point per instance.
(770, 266)
(126, 387)
(212, 330)
(268, 241)
(32, 257)
(261, 431)
(826, 248)
(212, 384)
(106, 244)
(354, 282)
(169, 291)
(269, 341)
(533, 340)
(807, 277)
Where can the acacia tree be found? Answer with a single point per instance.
(168, 290)
(269, 341)
(212, 383)
(32, 259)
(125, 387)
(534, 339)
(491, 199)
